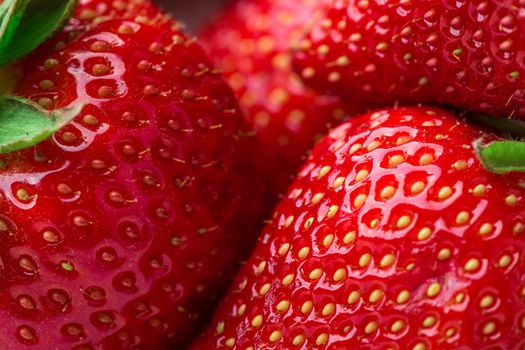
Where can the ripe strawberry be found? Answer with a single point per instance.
(468, 54)
(119, 231)
(251, 42)
(394, 236)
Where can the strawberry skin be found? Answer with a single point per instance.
(119, 232)
(467, 54)
(251, 42)
(392, 237)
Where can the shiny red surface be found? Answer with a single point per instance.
(466, 53)
(251, 41)
(120, 231)
(354, 260)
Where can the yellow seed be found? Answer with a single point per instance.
(459, 298)
(511, 200)
(324, 170)
(338, 182)
(445, 193)
(479, 190)
(298, 340)
(433, 290)
(462, 218)
(397, 326)
(410, 266)
(485, 229)
(287, 279)
(486, 301)
(332, 211)
(444, 254)
(362, 174)
(339, 275)
(429, 321)
(303, 253)
(403, 297)
(373, 145)
(426, 159)
(417, 187)
(365, 259)
(307, 306)
(354, 297)
(472, 265)
(396, 160)
(283, 249)
(419, 346)
(308, 223)
(504, 261)
(257, 321)
(355, 147)
(283, 306)
(289, 221)
(371, 327)
(230, 342)
(317, 198)
(264, 289)
(375, 296)
(359, 200)
(460, 165)
(424, 233)
(315, 274)
(388, 192)
(403, 222)
(328, 240)
(450, 332)
(518, 228)
(321, 339)
(275, 336)
(328, 309)
(489, 328)
(374, 223)
(261, 267)
(349, 237)
(387, 260)
(241, 310)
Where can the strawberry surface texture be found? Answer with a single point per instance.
(393, 236)
(121, 230)
(468, 54)
(251, 41)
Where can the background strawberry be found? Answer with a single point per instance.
(119, 231)
(394, 236)
(468, 54)
(251, 42)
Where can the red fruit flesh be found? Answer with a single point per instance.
(119, 232)
(251, 42)
(392, 237)
(468, 54)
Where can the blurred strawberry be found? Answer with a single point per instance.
(251, 42)
(468, 53)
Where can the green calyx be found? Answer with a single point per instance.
(25, 24)
(502, 157)
(24, 124)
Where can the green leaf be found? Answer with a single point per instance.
(24, 124)
(25, 24)
(502, 157)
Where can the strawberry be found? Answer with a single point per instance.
(394, 236)
(251, 42)
(120, 230)
(467, 54)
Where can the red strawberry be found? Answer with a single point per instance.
(394, 236)
(468, 54)
(119, 231)
(251, 41)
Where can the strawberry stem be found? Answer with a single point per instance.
(502, 157)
